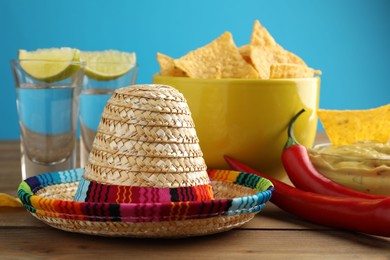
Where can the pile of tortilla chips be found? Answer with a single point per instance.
(351, 126)
(262, 58)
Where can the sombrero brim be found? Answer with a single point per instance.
(238, 197)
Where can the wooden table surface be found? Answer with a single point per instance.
(272, 234)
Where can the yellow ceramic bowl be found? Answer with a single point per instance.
(247, 119)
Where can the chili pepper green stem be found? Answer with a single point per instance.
(291, 140)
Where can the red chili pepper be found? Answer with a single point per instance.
(370, 216)
(305, 176)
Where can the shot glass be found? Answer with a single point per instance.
(48, 112)
(95, 93)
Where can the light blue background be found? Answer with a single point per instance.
(349, 40)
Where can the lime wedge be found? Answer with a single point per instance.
(107, 65)
(49, 65)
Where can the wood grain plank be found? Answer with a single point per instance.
(10, 170)
(237, 244)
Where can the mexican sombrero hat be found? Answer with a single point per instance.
(145, 176)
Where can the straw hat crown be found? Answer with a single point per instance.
(145, 151)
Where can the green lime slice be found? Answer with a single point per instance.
(51, 64)
(107, 65)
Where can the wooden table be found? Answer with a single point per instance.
(272, 234)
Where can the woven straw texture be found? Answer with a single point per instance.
(138, 148)
(147, 118)
(239, 196)
(146, 138)
(165, 229)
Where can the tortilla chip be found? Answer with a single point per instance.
(286, 70)
(261, 50)
(261, 37)
(9, 201)
(218, 73)
(261, 58)
(264, 52)
(351, 126)
(245, 52)
(218, 58)
(168, 67)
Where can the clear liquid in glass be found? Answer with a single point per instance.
(47, 119)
